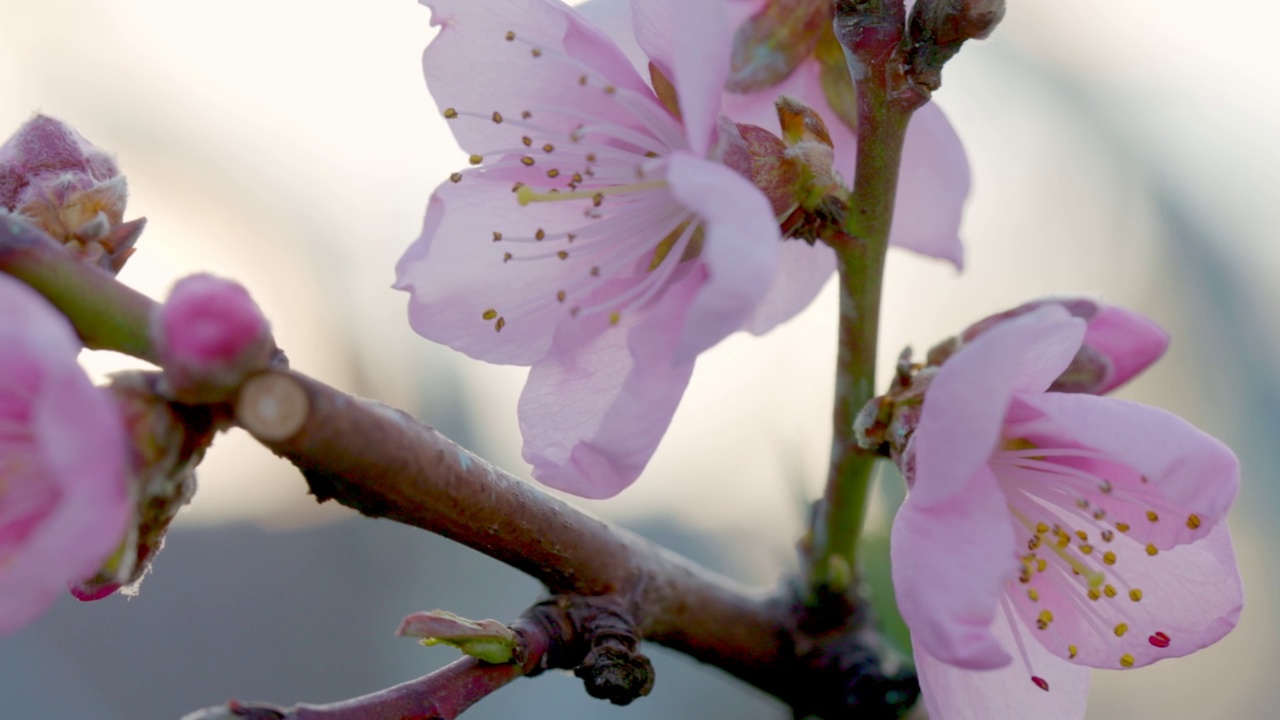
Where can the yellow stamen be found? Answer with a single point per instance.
(526, 195)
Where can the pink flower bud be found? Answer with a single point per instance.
(64, 503)
(210, 336)
(73, 191)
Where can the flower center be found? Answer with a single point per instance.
(1088, 524)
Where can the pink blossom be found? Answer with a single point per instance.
(63, 496)
(1047, 533)
(209, 334)
(933, 184)
(601, 240)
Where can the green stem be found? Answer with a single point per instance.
(860, 253)
(106, 314)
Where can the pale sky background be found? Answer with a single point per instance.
(291, 145)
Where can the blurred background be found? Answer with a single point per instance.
(1125, 148)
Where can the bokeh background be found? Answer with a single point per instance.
(1123, 148)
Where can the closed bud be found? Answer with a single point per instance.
(60, 182)
(210, 336)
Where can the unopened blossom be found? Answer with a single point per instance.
(601, 239)
(54, 178)
(787, 47)
(63, 496)
(1047, 533)
(209, 335)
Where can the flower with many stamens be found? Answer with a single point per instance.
(787, 47)
(608, 233)
(1050, 532)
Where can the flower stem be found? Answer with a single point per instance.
(872, 38)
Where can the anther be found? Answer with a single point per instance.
(1152, 516)
(560, 296)
(615, 317)
(497, 236)
(548, 148)
(1109, 590)
(540, 234)
(582, 79)
(1086, 548)
(1072, 650)
(525, 114)
(511, 35)
(1135, 594)
(1041, 528)
(475, 159)
(1109, 558)
(609, 89)
(563, 255)
(536, 52)
(497, 116)
(1152, 550)
(1122, 527)
(526, 161)
(553, 173)
(1084, 536)
(506, 257)
(1040, 683)
(598, 198)
(1126, 660)
(1033, 542)
(1099, 514)
(1160, 640)
(1094, 594)
(1035, 596)
(1193, 521)
(450, 113)
(528, 141)
(1105, 488)
(595, 271)
(1121, 629)
(489, 314)
(1043, 620)
(455, 177)
(1108, 536)
(502, 322)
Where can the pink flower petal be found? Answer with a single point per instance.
(1186, 471)
(1130, 341)
(951, 562)
(1163, 606)
(473, 65)
(456, 273)
(802, 272)
(73, 435)
(593, 411)
(955, 693)
(966, 402)
(740, 251)
(933, 186)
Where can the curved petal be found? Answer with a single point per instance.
(954, 693)
(1180, 470)
(1132, 342)
(513, 56)
(951, 563)
(965, 405)
(740, 252)
(690, 43)
(80, 445)
(456, 273)
(1163, 606)
(803, 270)
(593, 411)
(933, 186)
